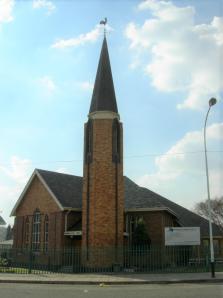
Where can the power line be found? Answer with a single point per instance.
(175, 153)
(126, 157)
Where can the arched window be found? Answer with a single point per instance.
(27, 232)
(36, 230)
(46, 233)
(88, 142)
(116, 146)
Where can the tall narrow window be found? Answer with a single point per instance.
(46, 233)
(116, 146)
(88, 142)
(27, 232)
(36, 231)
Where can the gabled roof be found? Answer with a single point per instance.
(66, 190)
(185, 217)
(103, 98)
(34, 174)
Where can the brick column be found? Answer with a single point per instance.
(103, 196)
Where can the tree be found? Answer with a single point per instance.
(140, 235)
(201, 208)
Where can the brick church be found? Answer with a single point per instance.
(103, 208)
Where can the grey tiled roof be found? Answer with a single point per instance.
(139, 197)
(2, 222)
(185, 217)
(68, 190)
(103, 98)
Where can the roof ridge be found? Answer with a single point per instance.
(160, 198)
(59, 173)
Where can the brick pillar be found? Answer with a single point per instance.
(103, 192)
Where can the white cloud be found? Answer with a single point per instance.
(177, 172)
(18, 169)
(48, 85)
(86, 86)
(184, 56)
(6, 8)
(81, 39)
(48, 5)
(12, 181)
(8, 197)
(91, 36)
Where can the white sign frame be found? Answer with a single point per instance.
(182, 236)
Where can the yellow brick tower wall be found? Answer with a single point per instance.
(103, 190)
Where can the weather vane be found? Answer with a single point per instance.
(104, 22)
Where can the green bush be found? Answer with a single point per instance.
(3, 262)
(140, 235)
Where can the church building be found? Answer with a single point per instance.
(103, 208)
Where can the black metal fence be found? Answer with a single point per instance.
(125, 259)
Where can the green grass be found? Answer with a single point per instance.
(13, 270)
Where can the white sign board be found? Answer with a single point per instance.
(182, 236)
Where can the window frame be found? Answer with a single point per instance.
(27, 233)
(116, 141)
(88, 141)
(46, 233)
(36, 231)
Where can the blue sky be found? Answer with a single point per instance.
(166, 59)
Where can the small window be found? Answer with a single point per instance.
(36, 231)
(116, 146)
(46, 233)
(88, 142)
(27, 233)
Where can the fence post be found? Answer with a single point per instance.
(30, 261)
(73, 259)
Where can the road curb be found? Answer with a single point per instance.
(104, 283)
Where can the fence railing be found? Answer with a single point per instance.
(122, 259)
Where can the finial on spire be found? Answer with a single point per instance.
(104, 22)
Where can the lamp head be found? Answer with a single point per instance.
(212, 101)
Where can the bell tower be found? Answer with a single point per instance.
(103, 182)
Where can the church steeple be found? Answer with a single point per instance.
(103, 182)
(103, 98)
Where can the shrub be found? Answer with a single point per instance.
(3, 262)
(140, 235)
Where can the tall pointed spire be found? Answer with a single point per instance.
(103, 98)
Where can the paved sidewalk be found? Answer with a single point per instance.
(121, 279)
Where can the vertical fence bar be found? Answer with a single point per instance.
(143, 258)
(30, 262)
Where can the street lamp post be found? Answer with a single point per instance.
(212, 102)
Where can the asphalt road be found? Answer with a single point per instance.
(130, 291)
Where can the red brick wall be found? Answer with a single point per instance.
(37, 197)
(155, 222)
